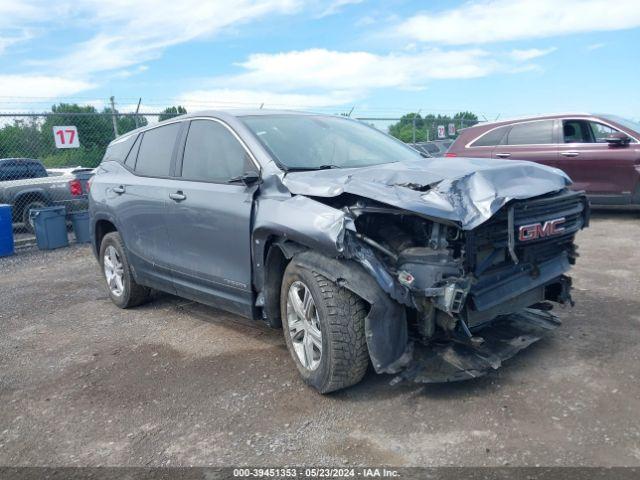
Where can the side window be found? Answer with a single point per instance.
(491, 138)
(531, 133)
(21, 170)
(212, 153)
(576, 131)
(600, 131)
(7, 170)
(130, 161)
(36, 170)
(156, 150)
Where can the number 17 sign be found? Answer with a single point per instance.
(66, 137)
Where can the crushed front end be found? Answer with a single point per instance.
(473, 298)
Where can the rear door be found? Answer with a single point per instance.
(604, 171)
(534, 140)
(140, 200)
(209, 218)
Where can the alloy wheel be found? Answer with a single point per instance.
(304, 325)
(113, 270)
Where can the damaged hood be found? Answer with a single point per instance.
(467, 191)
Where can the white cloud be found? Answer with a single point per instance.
(333, 70)
(130, 33)
(595, 46)
(336, 5)
(238, 98)
(319, 77)
(485, 21)
(531, 53)
(41, 86)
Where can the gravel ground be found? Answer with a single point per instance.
(177, 383)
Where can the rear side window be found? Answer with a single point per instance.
(35, 170)
(212, 153)
(118, 149)
(491, 138)
(531, 133)
(156, 150)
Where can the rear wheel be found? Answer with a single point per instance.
(324, 329)
(123, 289)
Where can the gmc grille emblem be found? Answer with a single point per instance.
(534, 231)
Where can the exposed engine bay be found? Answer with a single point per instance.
(460, 275)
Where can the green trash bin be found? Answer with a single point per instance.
(50, 225)
(80, 222)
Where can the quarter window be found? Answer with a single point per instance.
(212, 153)
(156, 150)
(130, 161)
(118, 150)
(531, 133)
(601, 132)
(491, 138)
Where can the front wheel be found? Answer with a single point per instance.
(323, 327)
(123, 289)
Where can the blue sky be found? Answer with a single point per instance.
(493, 57)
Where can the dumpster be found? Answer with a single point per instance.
(50, 224)
(80, 222)
(6, 231)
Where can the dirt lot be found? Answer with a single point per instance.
(176, 383)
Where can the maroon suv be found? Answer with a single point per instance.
(601, 153)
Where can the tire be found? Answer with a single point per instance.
(26, 219)
(126, 293)
(340, 316)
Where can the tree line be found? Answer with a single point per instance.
(425, 127)
(32, 137)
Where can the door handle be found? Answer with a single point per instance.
(119, 190)
(178, 196)
(569, 154)
(503, 155)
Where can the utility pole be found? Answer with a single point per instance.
(135, 117)
(113, 116)
(415, 116)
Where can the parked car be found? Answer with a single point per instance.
(26, 184)
(435, 148)
(360, 248)
(601, 153)
(427, 150)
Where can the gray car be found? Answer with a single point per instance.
(358, 247)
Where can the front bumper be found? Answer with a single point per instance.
(452, 362)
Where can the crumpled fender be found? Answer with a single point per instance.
(386, 324)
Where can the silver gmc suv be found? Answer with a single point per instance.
(354, 244)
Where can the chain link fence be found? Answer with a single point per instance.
(47, 159)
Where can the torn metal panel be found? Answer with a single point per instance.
(466, 191)
(452, 362)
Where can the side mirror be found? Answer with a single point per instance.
(618, 139)
(248, 178)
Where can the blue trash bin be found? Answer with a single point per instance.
(50, 224)
(80, 222)
(6, 231)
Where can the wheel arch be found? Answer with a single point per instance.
(101, 228)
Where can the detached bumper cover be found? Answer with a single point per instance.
(452, 362)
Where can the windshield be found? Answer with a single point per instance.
(310, 142)
(625, 122)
